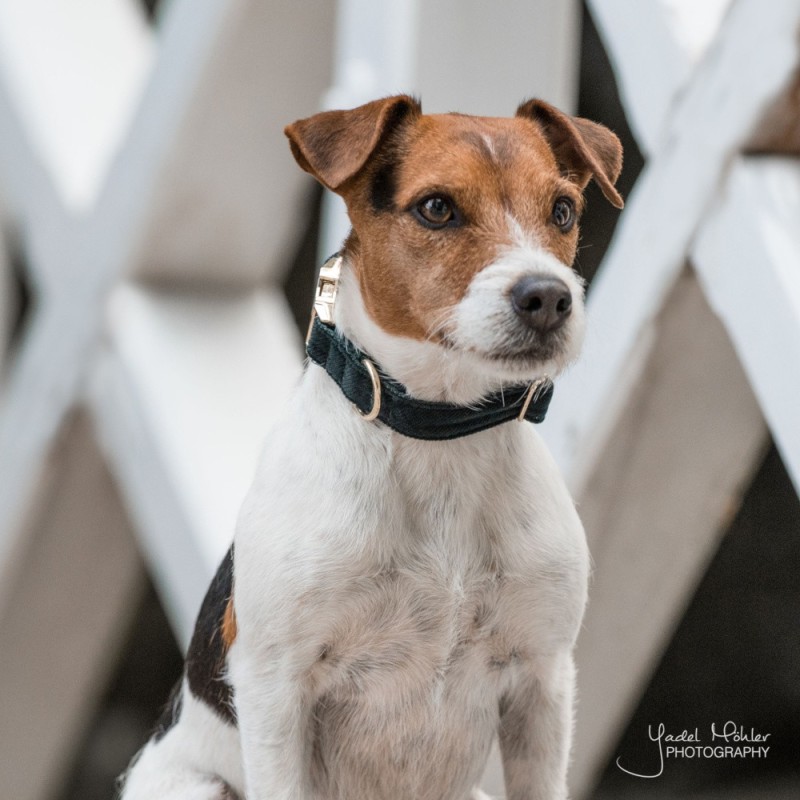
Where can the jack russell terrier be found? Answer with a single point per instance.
(409, 572)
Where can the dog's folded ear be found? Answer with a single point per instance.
(335, 145)
(583, 149)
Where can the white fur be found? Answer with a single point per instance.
(485, 321)
(188, 763)
(478, 325)
(394, 595)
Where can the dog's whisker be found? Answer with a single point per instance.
(440, 326)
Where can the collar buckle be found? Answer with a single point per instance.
(327, 289)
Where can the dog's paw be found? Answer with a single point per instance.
(180, 787)
(479, 794)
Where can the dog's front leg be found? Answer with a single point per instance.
(535, 731)
(274, 708)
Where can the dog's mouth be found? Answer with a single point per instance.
(519, 353)
(530, 355)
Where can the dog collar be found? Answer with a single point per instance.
(377, 396)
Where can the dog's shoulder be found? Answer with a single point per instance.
(214, 633)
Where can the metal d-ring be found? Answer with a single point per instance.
(376, 391)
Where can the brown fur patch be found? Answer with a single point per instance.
(334, 146)
(229, 628)
(410, 276)
(386, 157)
(582, 148)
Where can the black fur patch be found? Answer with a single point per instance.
(383, 185)
(383, 188)
(171, 713)
(205, 661)
(227, 792)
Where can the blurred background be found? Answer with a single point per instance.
(158, 251)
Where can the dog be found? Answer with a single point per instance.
(409, 572)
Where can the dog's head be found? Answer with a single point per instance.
(465, 228)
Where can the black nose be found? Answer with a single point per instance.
(543, 303)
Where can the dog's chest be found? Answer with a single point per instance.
(410, 682)
(434, 579)
(466, 576)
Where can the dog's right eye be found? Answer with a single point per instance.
(435, 211)
(564, 214)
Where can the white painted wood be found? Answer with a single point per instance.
(184, 508)
(374, 55)
(757, 54)
(671, 478)
(229, 193)
(747, 257)
(650, 64)
(161, 522)
(185, 460)
(694, 25)
(46, 375)
(72, 600)
(654, 46)
(182, 441)
(374, 51)
(184, 397)
(609, 689)
(457, 63)
(74, 72)
(31, 203)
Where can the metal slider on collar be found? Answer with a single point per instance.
(324, 303)
(327, 289)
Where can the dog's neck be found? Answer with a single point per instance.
(427, 369)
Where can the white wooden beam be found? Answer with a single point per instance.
(747, 257)
(229, 192)
(31, 203)
(671, 478)
(457, 66)
(609, 686)
(374, 55)
(70, 604)
(694, 25)
(184, 396)
(674, 35)
(202, 396)
(45, 378)
(74, 73)
(71, 78)
(757, 53)
(650, 64)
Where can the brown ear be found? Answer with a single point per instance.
(583, 149)
(334, 145)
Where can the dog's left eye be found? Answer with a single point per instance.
(564, 214)
(435, 211)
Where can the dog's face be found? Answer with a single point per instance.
(465, 228)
